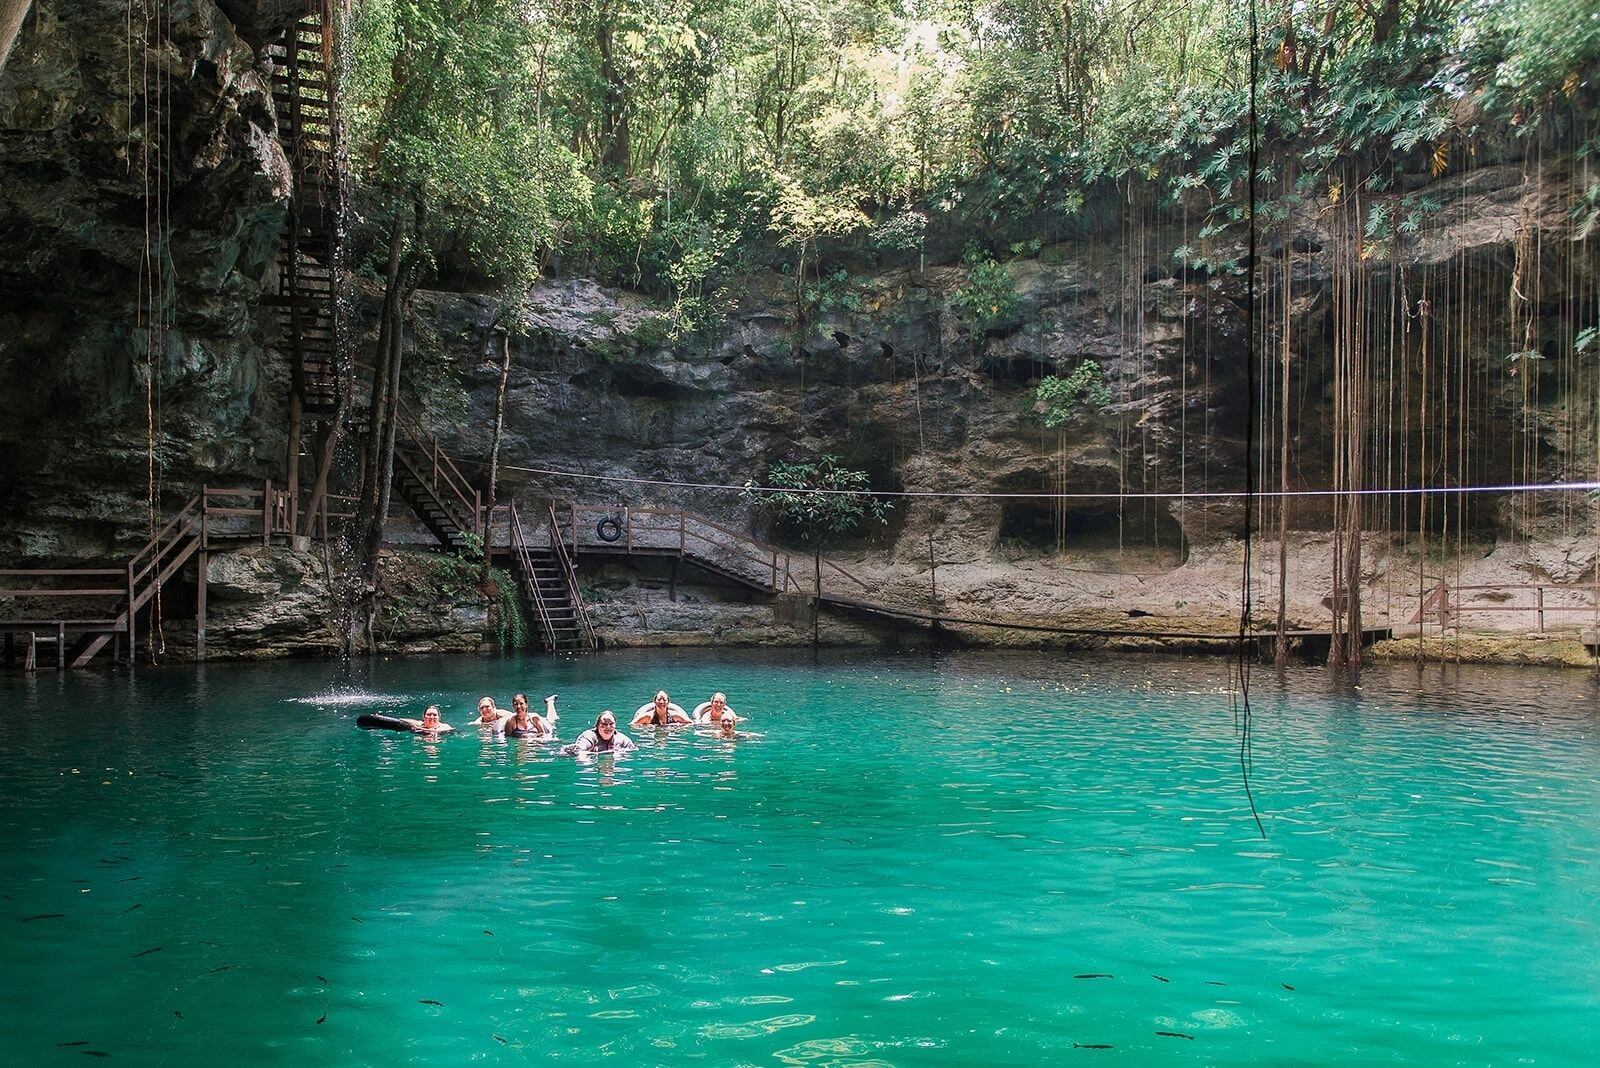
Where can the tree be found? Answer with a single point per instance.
(818, 498)
(444, 99)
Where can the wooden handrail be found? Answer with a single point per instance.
(182, 513)
(61, 572)
(1449, 609)
(444, 468)
(581, 610)
(729, 549)
(517, 543)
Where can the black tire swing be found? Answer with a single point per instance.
(608, 529)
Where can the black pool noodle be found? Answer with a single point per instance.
(387, 723)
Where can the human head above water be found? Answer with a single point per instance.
(519, 703)
(486, 707)
(430, 716)
(605, 722)
(661, 699)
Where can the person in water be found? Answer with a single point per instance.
(660, 712)
(429, 724)
(489, 715)
(715, 711)
(532, 724)
(603, 737)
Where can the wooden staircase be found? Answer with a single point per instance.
(109, 600)
(549, 586)
(431, 484)
(308, 282)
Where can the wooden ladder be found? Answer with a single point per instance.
(308, 284)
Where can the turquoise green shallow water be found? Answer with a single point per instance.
(917, 861)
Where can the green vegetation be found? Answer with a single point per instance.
(818, 498)
(667, 145)
(510, 623)
(1056, 400)
(988, 298)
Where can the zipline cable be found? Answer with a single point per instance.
(1178, 495)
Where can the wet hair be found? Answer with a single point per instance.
(659, 695)
(431, 708)
(720, 697)
(519, 697)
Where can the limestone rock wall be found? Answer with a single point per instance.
(84, 385)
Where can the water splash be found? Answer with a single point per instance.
(345, 697)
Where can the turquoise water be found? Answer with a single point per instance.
(915, 862)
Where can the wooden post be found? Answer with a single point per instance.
(672, 584)
(774, 571)
(574, 527)
(266, 514)
(133, 632)
(200, 602)
(1538, 609)
(295, 421)
(680, 532)
(627, 526)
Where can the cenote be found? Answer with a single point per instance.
(974, 857)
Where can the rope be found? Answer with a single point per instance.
(1249, 443)
(1549, 487)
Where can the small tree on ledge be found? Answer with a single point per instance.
(819, 498)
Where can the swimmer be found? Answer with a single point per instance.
(430, 722)
(715, 710)
(660, 712)
(489, 715)
(533, 725)
(603, 737)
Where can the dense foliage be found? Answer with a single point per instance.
(818, 498)
(656, 142)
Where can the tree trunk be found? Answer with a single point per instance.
(494, 443)
(378, 404)
(615, 144)
(383, 463)
(816, 602)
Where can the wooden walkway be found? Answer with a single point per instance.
(609, 530)
(70, 615)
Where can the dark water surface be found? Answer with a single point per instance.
(997, 858)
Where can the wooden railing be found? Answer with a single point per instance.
(664, 531)
(441, 472)
(106, 601)
(675, 532)
(517, 541)
(569, 571)
(1446, 604)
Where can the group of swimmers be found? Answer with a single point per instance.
(603, 737)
